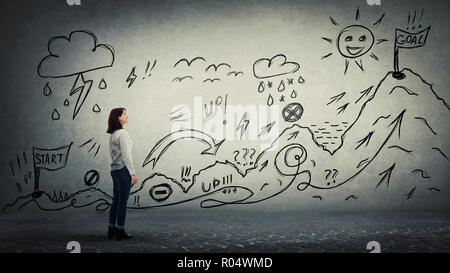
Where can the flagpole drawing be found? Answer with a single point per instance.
(405, 39)
(49, 159)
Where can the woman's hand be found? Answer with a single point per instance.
(134, 179)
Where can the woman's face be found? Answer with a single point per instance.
(123, 118)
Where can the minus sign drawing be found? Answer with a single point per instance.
(160, 192)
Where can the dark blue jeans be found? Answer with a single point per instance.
(121, 188)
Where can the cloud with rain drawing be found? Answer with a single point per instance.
(275, 66)
(75, 54)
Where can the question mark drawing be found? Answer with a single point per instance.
(374, 246)
(237, 153)
(335, 174)
(328, 173)
(251, 156)
(74, 246)
(245, 154)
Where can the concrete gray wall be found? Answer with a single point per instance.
(406, 164)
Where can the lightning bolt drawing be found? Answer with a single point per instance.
(132, 77)
(243, 124)
(82, 87)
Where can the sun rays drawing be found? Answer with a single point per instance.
(355, 41)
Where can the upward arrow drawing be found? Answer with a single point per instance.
(336, 98)
(398, 122)
(342, 108)
(365, 140)
(386, 176)
(364, 93)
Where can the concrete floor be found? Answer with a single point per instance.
(226, 231)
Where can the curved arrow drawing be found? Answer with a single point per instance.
(160, 148)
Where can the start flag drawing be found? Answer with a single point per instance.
(48, 159)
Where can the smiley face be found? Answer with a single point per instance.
(354, 41)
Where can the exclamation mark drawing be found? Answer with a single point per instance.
(148, 67)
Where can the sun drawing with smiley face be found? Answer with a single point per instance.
(355, 41)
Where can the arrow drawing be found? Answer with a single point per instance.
(293, 135)
(386, 176)
(365, 140)
(161, 147)
(364, 93)
(342, 108)
(410, 194)
(336, 98)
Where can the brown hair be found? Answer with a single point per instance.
(113, 120)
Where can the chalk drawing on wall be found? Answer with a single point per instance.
(300, 157)
(354, 42)
(75, 55)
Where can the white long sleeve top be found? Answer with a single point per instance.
(120, 147)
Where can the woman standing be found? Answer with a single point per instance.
(122, 172)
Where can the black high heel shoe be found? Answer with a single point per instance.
(111, 232)
(122, 235)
